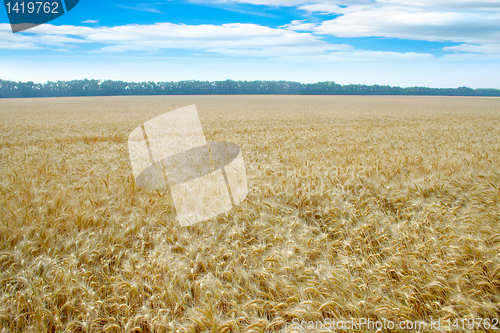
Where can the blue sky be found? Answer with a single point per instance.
(437, 43)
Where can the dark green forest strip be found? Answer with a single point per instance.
(12, 89)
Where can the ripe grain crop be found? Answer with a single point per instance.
(358, 207)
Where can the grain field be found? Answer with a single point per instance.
(386, 208)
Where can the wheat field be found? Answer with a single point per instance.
(385, 208)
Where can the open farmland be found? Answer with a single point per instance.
(358, 207)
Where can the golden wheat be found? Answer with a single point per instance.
(375, 207)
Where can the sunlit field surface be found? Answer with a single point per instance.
(358, 207)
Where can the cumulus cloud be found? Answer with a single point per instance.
(228, 39)
(440, 20)
(473, 24)
(14, 45)
(330, 6)
(479, 49)
(299, 25)
(460, 21)
(262, 2)
(429, 26)
(10, 41)
(232, 40)
(148, 8)
(473, 52)
(363, 57)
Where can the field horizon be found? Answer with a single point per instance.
(379, 207)
(93, 87)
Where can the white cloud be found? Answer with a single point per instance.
(142, 8)
(460, 21)
(9, 45)
(478, 49)
(9, 41)
(20, 41)
(470, 57)
(439, 20)
(429, 26)
(331, 6)
(299, 25)
(91, 21)
(363, 57)
(284, 52)
(228, 39)
(233, 40)
(261, 2)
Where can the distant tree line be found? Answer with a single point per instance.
(12, 89)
